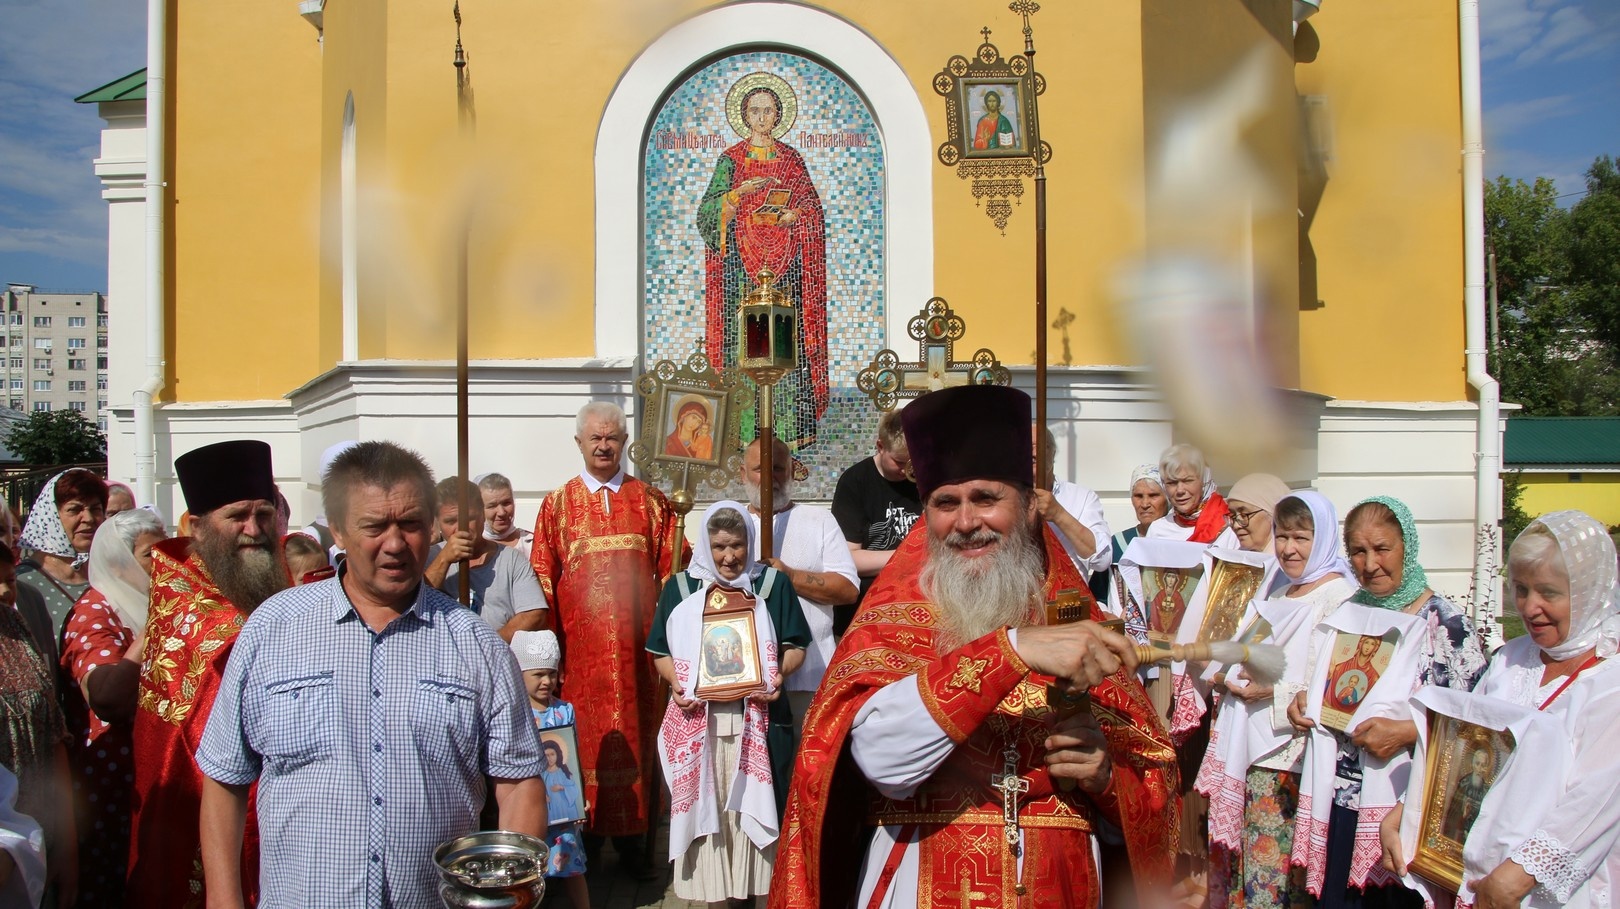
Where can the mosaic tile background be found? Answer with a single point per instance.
(835, 134)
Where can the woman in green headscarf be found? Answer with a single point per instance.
(1381, 541)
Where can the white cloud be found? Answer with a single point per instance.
(1530, 32)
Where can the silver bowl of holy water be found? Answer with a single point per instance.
(492, 869)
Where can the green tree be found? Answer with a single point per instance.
(1552, 358)
(1594, 253)
(57, 437)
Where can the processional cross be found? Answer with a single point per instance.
(1011, 785)
(936, 329)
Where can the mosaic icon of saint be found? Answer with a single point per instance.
(761, 210)
(994, 130)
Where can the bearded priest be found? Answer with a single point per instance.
(948, 754)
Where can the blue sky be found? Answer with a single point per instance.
(1552, 104)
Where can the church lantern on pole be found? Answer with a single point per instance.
(767, 350)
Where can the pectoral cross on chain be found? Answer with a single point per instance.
(1011, 785)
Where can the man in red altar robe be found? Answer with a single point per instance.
(947, 759)
(603, 545)
(203, 587)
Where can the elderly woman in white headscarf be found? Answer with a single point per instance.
(102, 649)
(1149, 503)
(722, 836)
(1251, 771)
(1562, 572)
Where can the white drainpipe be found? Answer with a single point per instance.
(1488, 457)
(157, 77)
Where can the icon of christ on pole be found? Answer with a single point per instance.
(761, 210)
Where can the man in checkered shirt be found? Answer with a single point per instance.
(370, 708)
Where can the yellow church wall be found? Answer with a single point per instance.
(533, 257)
(362, 25)
(1199, 62)
(244, 86)
(541, 76)
(1388, 232)
(1597, 494)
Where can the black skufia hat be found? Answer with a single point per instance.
(225, 472)
(972, 432)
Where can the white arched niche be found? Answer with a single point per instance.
(896, 109)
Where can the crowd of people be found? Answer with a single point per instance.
(876, 712)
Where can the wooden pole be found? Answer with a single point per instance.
(767, 477)
(464, 506)
(1043, 457)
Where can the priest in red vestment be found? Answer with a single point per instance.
(948, 759)
(602, 549)
(202, 590)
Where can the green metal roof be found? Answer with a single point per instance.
(1564, 441)
(130, 88)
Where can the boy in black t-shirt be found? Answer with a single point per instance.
(875, 504)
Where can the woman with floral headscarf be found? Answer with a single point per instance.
(1348, 786)
(102, 648)
(60, 528)
(1562, 572)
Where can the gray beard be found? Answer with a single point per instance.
(246, 577)
(978, 595)
(781, 496)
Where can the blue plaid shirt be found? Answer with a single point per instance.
(370, 748)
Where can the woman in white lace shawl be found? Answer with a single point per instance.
(1562, 572)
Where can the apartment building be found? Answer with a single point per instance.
(55, 351)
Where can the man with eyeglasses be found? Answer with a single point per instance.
(876, 503)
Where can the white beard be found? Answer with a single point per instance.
(781, 496)
(978, 595)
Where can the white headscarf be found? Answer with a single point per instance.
(44, 532)
(1325, 557)
(1589, 560)
(114, 573)
(1149, 472)
(703, 567)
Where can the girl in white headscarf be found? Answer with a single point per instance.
(723, 821)
(1251, 771)
(1562, 572)
(102, 649)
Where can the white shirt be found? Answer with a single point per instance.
(808, 538)
(595, 486)
(1086, 507)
